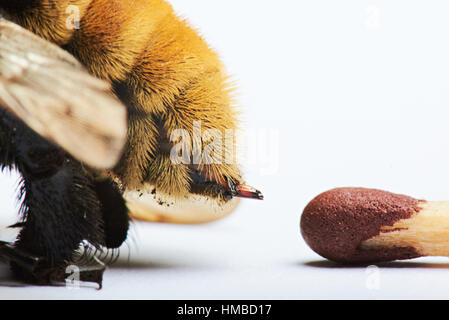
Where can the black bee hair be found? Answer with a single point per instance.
(62, 206)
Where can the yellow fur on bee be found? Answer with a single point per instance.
(172, 77)
(114, 33)
(49, 18)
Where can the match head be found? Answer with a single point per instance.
(335, 224)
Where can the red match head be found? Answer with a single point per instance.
(336, 222)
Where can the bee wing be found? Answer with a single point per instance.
(54, 95)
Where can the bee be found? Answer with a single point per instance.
(87, 166)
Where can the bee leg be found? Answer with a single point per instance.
(226, 191)
(114, 213)
(60, 210)
(31, 268)
(244, 191)
(202, 186)
(8, 252)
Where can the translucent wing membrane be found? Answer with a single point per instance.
(54, 95)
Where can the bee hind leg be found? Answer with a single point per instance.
(33, 269)
(202, 186)
(9, 253)
(226, 190)
(60, 211)
(114, 213)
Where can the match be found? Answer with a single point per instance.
(357, 225)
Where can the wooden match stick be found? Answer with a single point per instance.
(356, 225)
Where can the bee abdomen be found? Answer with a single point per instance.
(163, 69)
(53, 20)
(113, 34)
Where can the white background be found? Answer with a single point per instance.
(358, 94)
